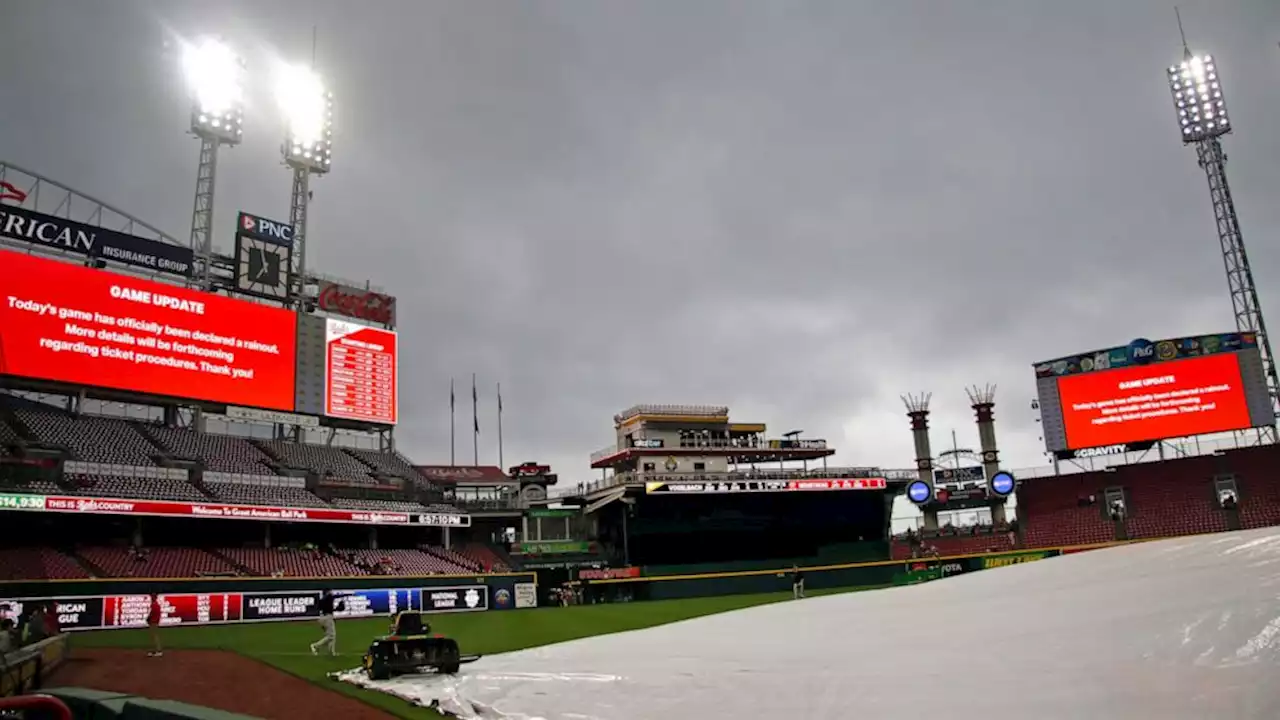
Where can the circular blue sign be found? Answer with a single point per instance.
(919, 492)
(1002, 483)
(1142, 351)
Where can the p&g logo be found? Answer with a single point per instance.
(1141, 351)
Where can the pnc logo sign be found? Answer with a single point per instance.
(265, 229)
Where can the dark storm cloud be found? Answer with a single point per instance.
(801, 210)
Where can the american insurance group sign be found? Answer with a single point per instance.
(356, 303)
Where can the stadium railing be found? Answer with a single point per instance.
(76, 467)
(625, 478)
(25, 669)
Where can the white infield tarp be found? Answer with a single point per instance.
(1185, 628)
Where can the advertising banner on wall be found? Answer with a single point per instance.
(57, 233)
(726, 487)
(526, 595)
(130, 611)
(222, 511)
(455, 599)
(356, 303)
(68, 323)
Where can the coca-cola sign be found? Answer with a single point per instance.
(356, 303)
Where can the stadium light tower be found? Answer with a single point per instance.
(308, 149)
(1203, 120)
(215, 78)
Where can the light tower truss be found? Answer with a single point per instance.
(299, 200)
(1203, 120)
(202, 212)
(1245, 305)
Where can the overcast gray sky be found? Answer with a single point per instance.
(800, 210)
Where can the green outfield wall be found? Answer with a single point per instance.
(668, 583)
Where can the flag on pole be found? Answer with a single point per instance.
(501, 460)
(475, 422)
(9, 191)
(453, 427)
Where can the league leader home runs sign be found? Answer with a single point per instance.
(57, 233)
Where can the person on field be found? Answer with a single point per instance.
(330, 638)
(153, 627)
(797, 582)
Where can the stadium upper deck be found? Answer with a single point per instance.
(684, 445)
(696, 438)
(47, 449)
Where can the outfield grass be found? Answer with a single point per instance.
(284, 644)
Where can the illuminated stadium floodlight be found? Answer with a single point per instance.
(1202, 117)
(214, 76)
(308, 149)
(1197, 98)
(215, 79)
(308, 111)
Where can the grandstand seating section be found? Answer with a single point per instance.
(484, 556)
(44, 563)
(412, 562)
(159, 562)
(960, 544)
(294, 563)
(7, 437)
(382, 505)
(461, 559)
(1257, 473)
(151, 488)
(218, 453)
(1171, 498)
(1052, 514)
(278, 495)
(237, 469)
(87, 437)
(38, 563)
(1167, 498)
(386, 463)
(318, 459)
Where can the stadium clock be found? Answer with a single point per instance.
(262, 267)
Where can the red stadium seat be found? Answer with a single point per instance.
(39, 564)
(157, 562)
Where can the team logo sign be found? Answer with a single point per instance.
(919, 492)
(1002, 483)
